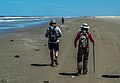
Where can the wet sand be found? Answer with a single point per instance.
(24, 55)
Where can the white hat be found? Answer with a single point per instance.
(85, 25)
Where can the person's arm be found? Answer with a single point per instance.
(90, 37)
(59, 32)
(76, 39)
(46, 33)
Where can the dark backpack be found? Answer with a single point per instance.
(52, 35)
(83, 40)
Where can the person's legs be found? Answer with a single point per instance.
(85, 61)
(50, 45)
(79, 60)
(56, 52)
(56, 57)
(52, 58)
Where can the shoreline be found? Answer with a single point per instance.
(77, 17)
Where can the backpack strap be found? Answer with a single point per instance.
(53, 28)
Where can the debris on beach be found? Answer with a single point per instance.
(44, 44)
(37, 49)
(67, 28)
(17, 56)
(69, 31)
(46, 81)
(4, 80)
(11, 40)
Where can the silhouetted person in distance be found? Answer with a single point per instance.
(62, 20)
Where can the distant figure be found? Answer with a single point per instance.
(62, 20)
(83, 47)
(53, 33)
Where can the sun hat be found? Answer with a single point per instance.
(85, 25)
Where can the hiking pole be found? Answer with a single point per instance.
(93, 59)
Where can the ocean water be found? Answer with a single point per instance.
(7, 22)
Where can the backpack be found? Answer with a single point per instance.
(83, 40)
(52, 35)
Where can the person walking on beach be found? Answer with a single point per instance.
(53, 33)
(62, 20)
(83, 47)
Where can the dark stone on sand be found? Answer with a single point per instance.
(4, 80)
(44, 44)
(17, 56)
(11, 40)
(46, 81)
(37, 49)
(67, 28)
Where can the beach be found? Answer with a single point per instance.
(24, 54)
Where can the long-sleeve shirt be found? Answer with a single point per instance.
(89, 38)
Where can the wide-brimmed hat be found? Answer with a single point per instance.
(85, 25)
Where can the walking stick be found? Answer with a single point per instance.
(93, 59)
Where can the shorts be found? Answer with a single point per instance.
(53, 46)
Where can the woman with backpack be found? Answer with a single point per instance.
(53, 33)
(83, 47)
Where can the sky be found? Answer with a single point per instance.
(59, 7)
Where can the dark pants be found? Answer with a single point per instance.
(82, 55)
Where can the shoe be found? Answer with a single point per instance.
(52, 64)
(79, 71)
(56, 62)
(84, 72)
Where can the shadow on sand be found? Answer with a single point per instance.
(40, 65)
(69, 74)
(111, 76)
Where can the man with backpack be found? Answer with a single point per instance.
(53, 33)
(83, 47)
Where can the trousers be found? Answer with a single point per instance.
(82, 55)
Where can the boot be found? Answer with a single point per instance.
(79, 70)
(55, 60)
(85, 70)
(52, 64)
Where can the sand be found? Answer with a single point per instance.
(24, 55)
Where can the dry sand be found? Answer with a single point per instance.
(32, 63)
